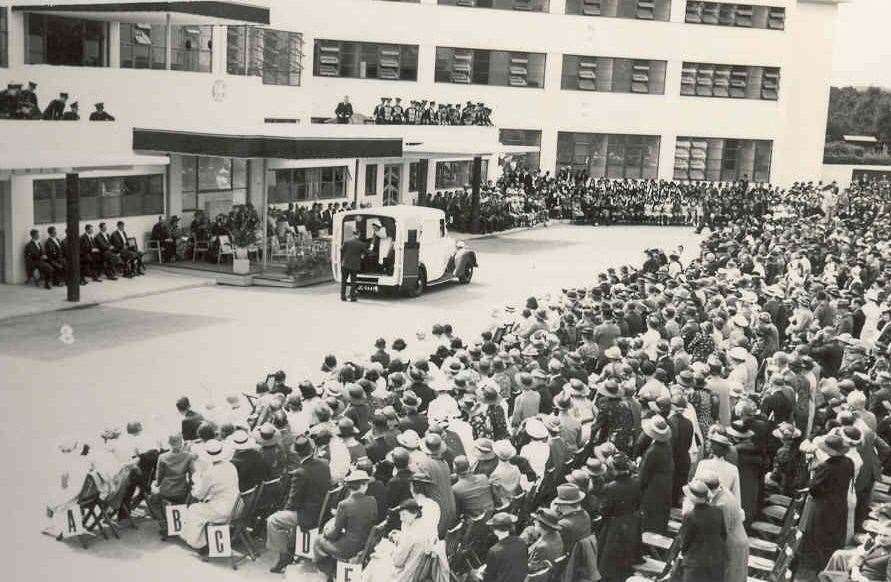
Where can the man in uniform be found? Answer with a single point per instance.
(131, 254)
(72, 114)
(100, 114)
(110, 258)
(35, 258)
(379, 111)
(29, 99)
(398, 114)
(55, 256)
(344, 110)
(56, 108)
(10, 98)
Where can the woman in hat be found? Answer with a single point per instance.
(505, 478)
(489, 418)
(737, 565)
(216, 493)
(424, 491)
(347, 433)
(656, 474)
(399, 557)
(619, 540)
(719, 448)
(703, 537)
(750, 464)
(789, 464)
(826, 530)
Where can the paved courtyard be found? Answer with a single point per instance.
(132, 359)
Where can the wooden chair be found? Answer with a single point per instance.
(241, 523)
(332, 498)
(154, 246)
(201, 247)
(93, 509)
(268, 500)
(225, 248)
(374, 537)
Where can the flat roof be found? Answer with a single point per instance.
(866, 138)
(263, 146)
(190, 12)
(397, 211)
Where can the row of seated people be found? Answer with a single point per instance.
(212, 240)
(18, 103)
(100, 253)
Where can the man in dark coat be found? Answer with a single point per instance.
(656, 475)
(73, 113)
(381, 440)
(56, 108)
(249, 462)
(829, 490)
(681, 440)
(575, 523)
(55, 256)
(345, 535)
(29, 100)
(191, 419)
(90, 255)
(619, 539)
(130, 253)
(508, 559)
(36, 258)
(703, 536)
(101, 114)
(110, 257)
(352, 252)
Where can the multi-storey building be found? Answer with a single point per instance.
(219, 102)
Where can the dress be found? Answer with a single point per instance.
(737, 543)
(399, 562)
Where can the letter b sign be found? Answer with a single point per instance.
(174, 514)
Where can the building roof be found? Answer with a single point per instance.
(182, 12)
(863, 138)
(398, 211)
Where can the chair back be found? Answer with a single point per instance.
(269, 498)
(244, 505)
(332, 498)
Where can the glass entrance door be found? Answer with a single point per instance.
(392, 184)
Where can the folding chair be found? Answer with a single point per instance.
(201, 247)
(332, 498)
(241, 522)
(269, 500)
(154, 246)
(374, 537)
(93, 509)
(225, 248)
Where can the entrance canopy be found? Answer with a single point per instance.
(194, 12)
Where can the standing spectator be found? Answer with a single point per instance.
(656, 472)
(508, 559)
(101, 114)
(351, 254)
(344, 110)
(56, 108)
(703, 536)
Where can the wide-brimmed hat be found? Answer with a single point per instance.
(738, 353)
(346, 427)
(530, 351)
(851, 435)
(580, 478)
(502, 521)
(524, 379)
(432, 444)
(786, 431)
(217, 451)
(536, 429)
(696, 491)
(408, 439)
(356, 393)
(241, 440)
(656, 428)
(595, 467)
(613, 353)
(578, 388)
(548, 518)
(410, 400)
(719, 438)
(832, 444)
(489, 394)
(357, 476)
(484, 449)
(421, 477)
(568, 494)
(504, 450)
(553, 424)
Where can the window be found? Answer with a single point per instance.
(209, 183)
(100, 198)
(634, 9)
(274, 55)
(53, 40)
(458, 174)
(524, 137)
(365, 60)
(306, 184)
(485, 67)
(4, 38)
(414, 169)
(614, 75)
(191, 48)
(716, 159)
(731, 81)
(742, 15)
(609, 155)
(143, 46)
(371, 180)
(522, 5)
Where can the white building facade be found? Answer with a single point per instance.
(661, 89)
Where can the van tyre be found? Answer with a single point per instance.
(420, 283)
(466, 276)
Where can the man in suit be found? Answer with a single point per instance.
(161, 234)
(110, 257)
(36, 258)
(90, 256)
(344, 536)
(681, 440)
(399, 487)
(352, 252)
(473, 495)
(55, 256)
(56, 108)
(309, 485)
(344, 110)
(29, 100)
(130, 254)
(191, 419)
(171, 484)
(545, 543)
(381, 440)
(575, 523)
(101, 114)
(703, 536)
(252, 466)
(508, 559)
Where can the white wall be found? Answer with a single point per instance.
(842, 173)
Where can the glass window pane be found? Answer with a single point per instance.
(214, 173)
(188, 173)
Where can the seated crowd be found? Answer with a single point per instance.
(99, 253)
(18, 103)
(719, 420)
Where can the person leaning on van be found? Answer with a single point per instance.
(351, 253)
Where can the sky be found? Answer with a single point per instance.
(862, 51)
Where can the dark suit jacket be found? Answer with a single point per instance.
(353, 520)
(118, 241)
(702, 537)
(379, 446)
(351, 253)
(33, 252)
(508, 561)
(309, 484)
(190, 425)
(53, 249)
(86, 245)
(103, 241)
(398, 489)
(252, 468)
(473, 495)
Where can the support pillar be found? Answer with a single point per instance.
(475, 194)
(423, 168)
(72, 202)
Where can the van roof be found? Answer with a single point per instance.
(402, 211)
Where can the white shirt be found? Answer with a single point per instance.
(384, 248)
(537, 453)
(443, 406)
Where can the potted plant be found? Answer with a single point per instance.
(243, 224)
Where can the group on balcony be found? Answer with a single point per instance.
(391, 111)
(19, 103)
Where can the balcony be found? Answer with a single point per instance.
(182, 12)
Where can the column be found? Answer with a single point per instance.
(218, 54)
(114, 45)
(21, 218)
(255, 171)
(175, 186)
(475, 194)
(17, 37)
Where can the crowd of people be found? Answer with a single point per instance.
(99, 253)
(19, 103)
(392, 112)
(706, 419)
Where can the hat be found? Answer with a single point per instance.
(489, 394)
(504, 450)
(356, 393)
(536, 429)
(738, 353)
(408, 439)
(739, 431)
(833, 445)
(409, 505)
(346, 427)
(657, 429)
(609, 389)
(595, 467)
(524, 379)
(563, 401)
(216, 451)
(502, 521)
(719, 438)
(553, 424)
(578, 388)
(461, 465)
(432, 444)
(548, 518)
(421, 477)
(786, 431)
(241, 440)
(613, 353)
(410, 400)
(851, 435)
(302, 446)
(568, 494)
(484, 449)
(696, 491)
(357, 476)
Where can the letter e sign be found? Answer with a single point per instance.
(347, 572)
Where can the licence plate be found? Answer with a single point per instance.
(367, 288)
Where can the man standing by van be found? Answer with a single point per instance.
(351, 253)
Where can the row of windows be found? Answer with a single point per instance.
(637, 156)
(457, 174)
(302, 184)
(144, 46)
(274, 55)
(488, 67)
(210, 181)
(365, 60)
(4, 38)
(711, 80)
(697, 11)
(100, 198)
(613, 75)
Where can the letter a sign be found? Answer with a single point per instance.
(218, 542)
(69, 521)
(304, 543)
(175, 519)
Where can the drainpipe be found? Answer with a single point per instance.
(356, 185)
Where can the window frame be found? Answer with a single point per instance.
(717, 165)
(608, 154)
(251, 54)
(351, 55)
(371, 179)
(470, 66)
(187, 59)
(237, 169)
(37, 53)
(646, 10)
(599, 74)
(4, 37)
(312, 183)
(752, 82)
(151, 48)
(98, 206)
(736, 15)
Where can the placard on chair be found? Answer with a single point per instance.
(218, 541)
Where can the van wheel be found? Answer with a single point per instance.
(420, 283)
(466, 276)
